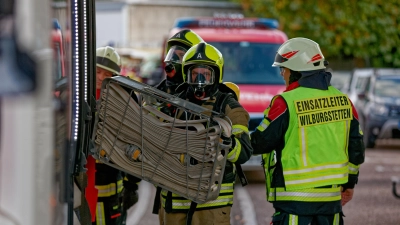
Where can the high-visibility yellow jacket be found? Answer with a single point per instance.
(315, 152)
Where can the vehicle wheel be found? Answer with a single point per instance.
(361, 120)
(369, 139)
(370, 144)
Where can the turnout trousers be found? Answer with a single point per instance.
(217, 216)
(282, 218)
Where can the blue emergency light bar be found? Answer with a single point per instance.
(260, 23)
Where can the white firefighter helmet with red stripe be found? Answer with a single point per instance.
(300, 54)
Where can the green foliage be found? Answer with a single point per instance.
(364, 29)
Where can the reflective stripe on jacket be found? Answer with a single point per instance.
(109, 189)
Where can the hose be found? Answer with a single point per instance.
(146, 143)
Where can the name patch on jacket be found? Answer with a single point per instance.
(328, 109)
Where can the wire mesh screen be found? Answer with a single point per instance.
(180, 151)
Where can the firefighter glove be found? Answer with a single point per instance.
(129, 198)
(129, 195)
(228, 142)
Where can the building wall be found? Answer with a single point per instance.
(146, 23)
(109, 23)
(145, 30)
(109, 29)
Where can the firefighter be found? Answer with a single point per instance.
(202, 70)
(117, 192)
(177, 45)
(311, 141)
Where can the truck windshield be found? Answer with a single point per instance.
(249, 63)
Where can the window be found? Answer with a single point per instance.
(249, 63)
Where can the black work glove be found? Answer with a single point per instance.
(228, 142)
(129, 198)
(169, 110)
(129, 195)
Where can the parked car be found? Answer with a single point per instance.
(341, 80)
(379, 106)
(358, 83)
(248, 45)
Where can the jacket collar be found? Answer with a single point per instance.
(292, 86)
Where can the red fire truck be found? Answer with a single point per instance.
(47, 73)
(249, 46)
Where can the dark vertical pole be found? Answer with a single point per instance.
(76, 102)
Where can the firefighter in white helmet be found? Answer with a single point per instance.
(108, 64)
(116, 192)
(310, 139)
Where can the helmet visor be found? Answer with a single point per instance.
(175, 54)
(201, 75)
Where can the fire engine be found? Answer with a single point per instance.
(47, 71)
(248, 46)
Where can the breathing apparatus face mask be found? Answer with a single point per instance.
(173, 61)
(200, 78)
(173, 70)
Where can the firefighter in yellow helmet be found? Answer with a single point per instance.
(310, 139)
(202, 70)
(177, 46)
(116, 191)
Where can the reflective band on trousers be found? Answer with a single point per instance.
(220, 201)
(225, 198)
(293, 219)
(109, 189)
(100, 216)
(336, 219)
(306, 195)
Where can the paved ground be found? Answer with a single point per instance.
(373, 201)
